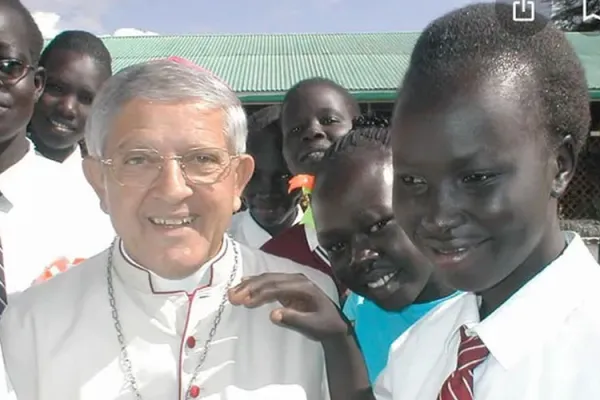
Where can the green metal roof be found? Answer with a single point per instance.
(262, 67)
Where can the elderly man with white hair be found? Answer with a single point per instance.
(150, 317)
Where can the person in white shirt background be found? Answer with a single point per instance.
(478, 170)
(77, 63)
(40, 210)
(156, 300)
(270, 208)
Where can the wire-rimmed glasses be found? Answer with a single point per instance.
(12, 70)
(142, 167)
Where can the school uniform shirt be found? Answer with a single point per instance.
(35, 221)
(91, 230)
(543, 341)
(246, 230)
(376, 329)
(299, 243)
(60, 340)
(5, 388)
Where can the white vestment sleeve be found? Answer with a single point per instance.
(19, 350)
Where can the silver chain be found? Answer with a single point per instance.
(126, 361)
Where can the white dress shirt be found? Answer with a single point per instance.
(6, 392)
(43, 217)
(246, 230)
(544, 341)
(67, 347)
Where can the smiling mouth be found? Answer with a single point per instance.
(172, 222)
(59, 126)
(452, 256)
(382, 281)
(313, 156)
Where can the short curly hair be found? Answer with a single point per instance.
(480, 41)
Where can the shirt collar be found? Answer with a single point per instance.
(313, 244)
(13, 180)
(537, 309)
(75, 158)
(254, 234)
(212, 275)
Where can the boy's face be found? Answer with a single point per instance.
(472, 184)
(72, 82)
(17, 97)
(267, 192)
(369, 252)
(312, 119)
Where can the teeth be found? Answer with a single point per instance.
(315, 155)
(61, 126)
(172, 221)
(453, 251)
(381, 281)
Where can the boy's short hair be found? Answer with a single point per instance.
(481, 41)
(368, 132)
(319, 81)
(80, 42)
(265, 118)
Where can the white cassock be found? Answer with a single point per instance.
(60, 339)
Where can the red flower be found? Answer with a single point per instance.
(306, 182)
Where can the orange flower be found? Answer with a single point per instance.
(305, 182)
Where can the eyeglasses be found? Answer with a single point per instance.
(13, 70)
(141, 168)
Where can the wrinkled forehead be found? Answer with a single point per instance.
(167, 126)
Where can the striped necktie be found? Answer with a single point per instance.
(471, 353)
(3, 293)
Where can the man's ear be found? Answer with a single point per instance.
(39, 82)
(565, 165)
(244, 168)
(94, 174)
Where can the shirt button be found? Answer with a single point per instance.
(194, 391)
(190, 342)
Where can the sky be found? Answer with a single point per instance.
(139, 17)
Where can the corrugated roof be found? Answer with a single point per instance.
(268, 64)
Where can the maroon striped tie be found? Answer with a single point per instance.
(471, 353)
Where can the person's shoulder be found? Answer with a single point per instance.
(62, 291)
(258, 262)
(438, 322)
(289, 236)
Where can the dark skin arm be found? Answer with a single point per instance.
(306, 309)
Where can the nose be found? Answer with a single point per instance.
(171, 184)
(313, 132)
(363, 255)
(68, 107)
(443, 212)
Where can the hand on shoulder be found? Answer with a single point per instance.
(305, 307)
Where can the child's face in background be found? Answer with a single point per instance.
(267, 192)
(369, 252)
(312, 119)
(472, 185)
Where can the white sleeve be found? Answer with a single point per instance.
(383, 388)
(19, 351)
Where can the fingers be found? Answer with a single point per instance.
(270, 287)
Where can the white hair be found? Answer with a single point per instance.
(163, 81)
